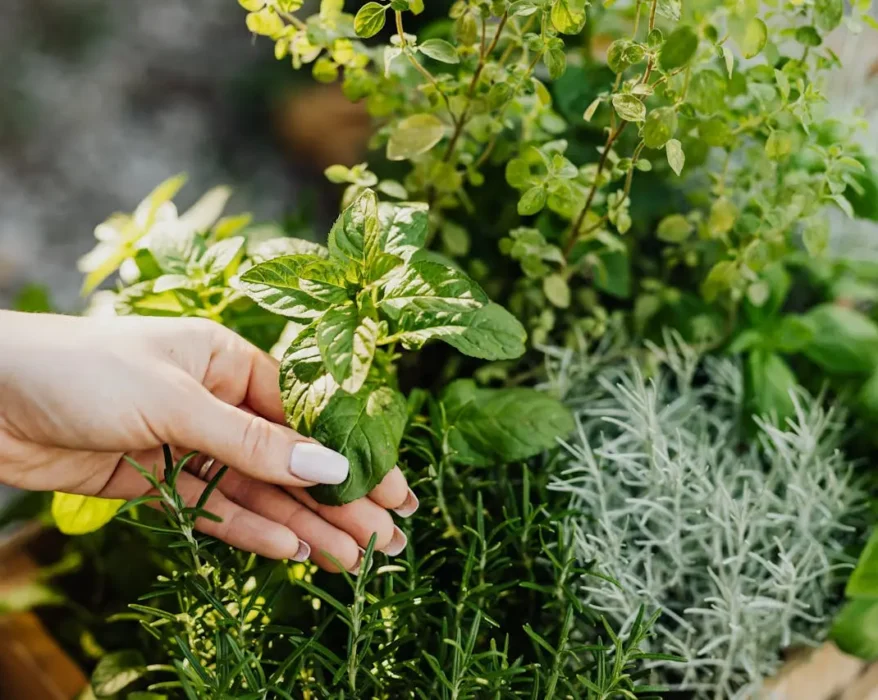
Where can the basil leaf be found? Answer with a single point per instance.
(489, 333)
(769, 381)
(491, 426)
(219, 258)
(404, 227)
(274, 285)
(306, 385)
(430, 287)
(347, 344)
(845, 341)
(855, 629)
(863, 582)
(262, 250)
(325, 281)
(356, 233)
(365, 427)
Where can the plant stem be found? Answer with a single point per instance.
(574, 231)
(483, 55)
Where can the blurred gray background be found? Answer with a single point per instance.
(101, 100)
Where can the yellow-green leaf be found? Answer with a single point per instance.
(78, 515)
(265, 22)
(415, 135)
(755, 37)
(676, 157)
(370, 19)
(568, 16)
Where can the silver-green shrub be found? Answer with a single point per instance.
(735, 533)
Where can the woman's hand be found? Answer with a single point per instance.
(77, 394)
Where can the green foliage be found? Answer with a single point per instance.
(371, 290)
(736, 107)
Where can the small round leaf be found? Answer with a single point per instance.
(370, 19)
(679, 48)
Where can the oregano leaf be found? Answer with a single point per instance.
(629, 108)
(660, 126)
(755, 38)
(370, 19)
(679, 48)
(676, 157)
(439, 50)
(116, 671)
(415, 135)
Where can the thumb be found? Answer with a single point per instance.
(253, 445)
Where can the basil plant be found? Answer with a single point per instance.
(346, 310)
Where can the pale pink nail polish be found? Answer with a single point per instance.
(397, 543)
(409, 506)
(303, 552)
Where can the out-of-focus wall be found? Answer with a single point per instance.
(100, 100)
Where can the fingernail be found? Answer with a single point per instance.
(397, 543)
(319, 464)
(303, 552)
(355, 570)
(409, 506)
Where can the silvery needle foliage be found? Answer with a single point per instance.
(738, 539)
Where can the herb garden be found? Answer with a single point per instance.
(584, 294)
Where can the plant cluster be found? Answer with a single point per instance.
(740, 542)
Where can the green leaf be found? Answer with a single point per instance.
(370, 19)
(415, 135)
(769, 381)
(221, 258)
(675, 228)
(707, 91)
(404, 227)
(778, 145)
(828, 13)
(855, 629)
(274, 285)
(676, 157)
(863, 581)
(557, 291)
(306, 385)
(755, 38)
(425, 286)
(568, 16)
(347, 344)
(497, 426)
(269, 248)
(679, 48)
(367, 428)
(661, 125)
(792, 334)
(356, 234)
(723, 214)
(117, 671)
(845, 341)
(808, 36)
(490, 333)
(629, 108)
(532, 201)
(78, 515)
(439, 50)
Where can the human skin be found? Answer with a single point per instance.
(77, 395)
